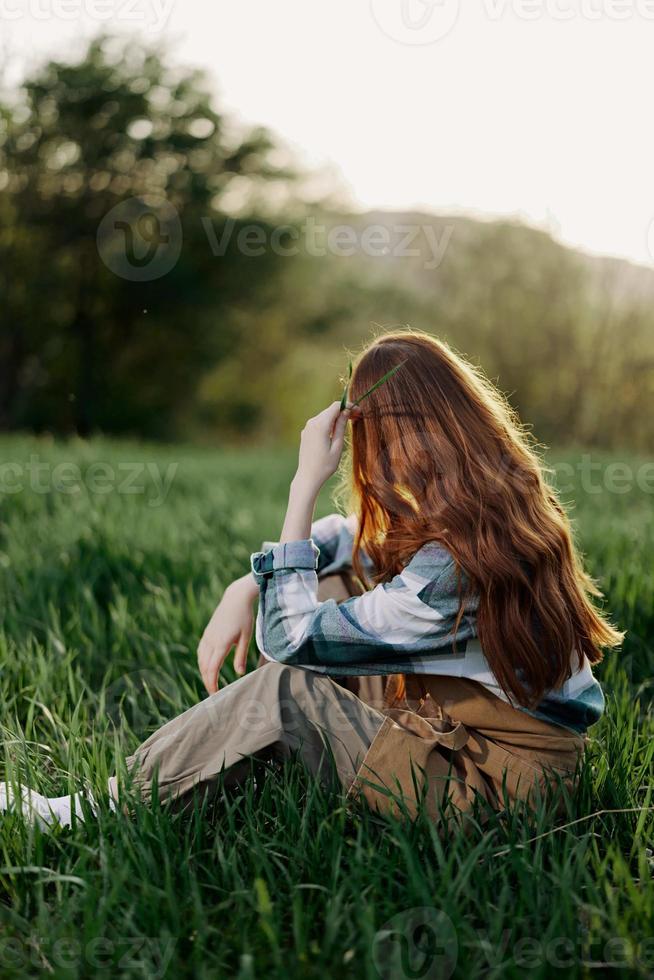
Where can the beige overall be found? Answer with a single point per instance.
(449, 739)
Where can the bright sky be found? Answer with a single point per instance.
(536, 108)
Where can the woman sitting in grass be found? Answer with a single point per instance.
(456, 668)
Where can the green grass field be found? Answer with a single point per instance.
(108, 578)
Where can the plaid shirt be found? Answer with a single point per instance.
(400, 627)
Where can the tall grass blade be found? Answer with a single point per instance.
(346, 389)
(378, 384)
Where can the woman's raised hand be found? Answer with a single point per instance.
(321, 444)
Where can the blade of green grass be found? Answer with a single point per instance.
(346, 389)
(378, 384)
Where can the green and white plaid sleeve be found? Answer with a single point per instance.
(391, 628)
(406, 625)
(334, 537)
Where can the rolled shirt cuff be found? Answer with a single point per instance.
(292, 555)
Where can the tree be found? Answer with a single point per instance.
(111, 170)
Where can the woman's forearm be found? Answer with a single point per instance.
(299, 513)
(246, 585)
(321, 445)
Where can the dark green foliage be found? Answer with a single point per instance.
(82, 347)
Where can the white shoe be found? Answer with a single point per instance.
(45, 811)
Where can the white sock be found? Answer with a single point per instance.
(46, 810)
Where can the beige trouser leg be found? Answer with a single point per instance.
(275, 711)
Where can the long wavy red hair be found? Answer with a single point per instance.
(439, 455)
